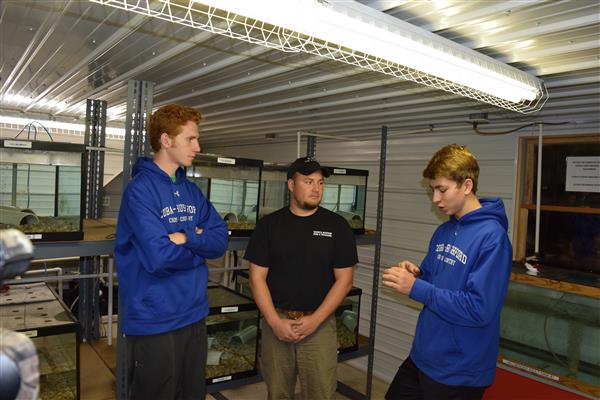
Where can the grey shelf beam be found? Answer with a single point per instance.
(106, 247)
(73, 249)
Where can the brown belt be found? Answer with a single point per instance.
(293, 314)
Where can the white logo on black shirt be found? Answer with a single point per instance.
(322, 233)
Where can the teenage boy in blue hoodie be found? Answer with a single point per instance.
(461, 282)
(165, 232)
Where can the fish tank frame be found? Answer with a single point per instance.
(249, 334)
(28, 215)
(551, 332)
(268, 169)
(348, 342)
(337, 171)
(29, 302)
(237, 224)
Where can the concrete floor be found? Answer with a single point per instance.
(98, 380)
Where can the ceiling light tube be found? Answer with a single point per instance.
(350, 32)
(360, 28)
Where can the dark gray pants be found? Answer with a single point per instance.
(168, 366)
(411, 384)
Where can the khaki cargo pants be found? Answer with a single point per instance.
(314, 360)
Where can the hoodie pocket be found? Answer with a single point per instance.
(436, 342)
(163, 302)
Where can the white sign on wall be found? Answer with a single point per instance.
(583, 174)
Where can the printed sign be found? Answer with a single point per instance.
(583, 174)
(223, 160)
(18, 144)
(222, 379)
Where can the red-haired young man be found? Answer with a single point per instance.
(166, 230)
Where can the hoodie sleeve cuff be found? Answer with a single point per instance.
(192, 239)
(421, 291)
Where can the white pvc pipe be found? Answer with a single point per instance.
(59, 272)
(538, 191)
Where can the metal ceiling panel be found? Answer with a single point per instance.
(56, 54)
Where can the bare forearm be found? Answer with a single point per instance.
(263, 299)
(334, 298)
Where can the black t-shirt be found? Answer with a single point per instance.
(301, 253)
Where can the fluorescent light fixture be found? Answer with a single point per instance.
(79, 128)
(350, 32)
(44, 104)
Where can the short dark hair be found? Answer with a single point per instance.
(169, 119)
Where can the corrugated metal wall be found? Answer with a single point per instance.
(409, 217)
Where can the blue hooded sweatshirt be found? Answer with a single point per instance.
(463, 283)
(162, 285)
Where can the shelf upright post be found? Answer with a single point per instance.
(376, 260)
(139, 107)
(311, 146)
(93, 165)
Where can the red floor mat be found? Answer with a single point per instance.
(509, 386)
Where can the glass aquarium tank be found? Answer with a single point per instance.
(40, 189)
(346, 194)
(553, 334)
(232, 331)
(274, 193)
(232, 185)
(35, 310)
(242, 283)
(347, 315)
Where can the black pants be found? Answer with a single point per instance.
(168, 366)
(411, 384)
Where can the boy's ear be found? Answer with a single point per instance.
(165, 140)
(468, 186)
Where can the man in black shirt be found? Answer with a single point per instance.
(301, 260)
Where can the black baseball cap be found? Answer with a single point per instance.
(306, 166)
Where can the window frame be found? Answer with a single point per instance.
(526, 172)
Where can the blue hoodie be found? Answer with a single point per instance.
(463, 282)
(162, 286)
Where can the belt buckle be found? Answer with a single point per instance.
(293, 314)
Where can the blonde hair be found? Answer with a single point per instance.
(170, 119)
(453, 162)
